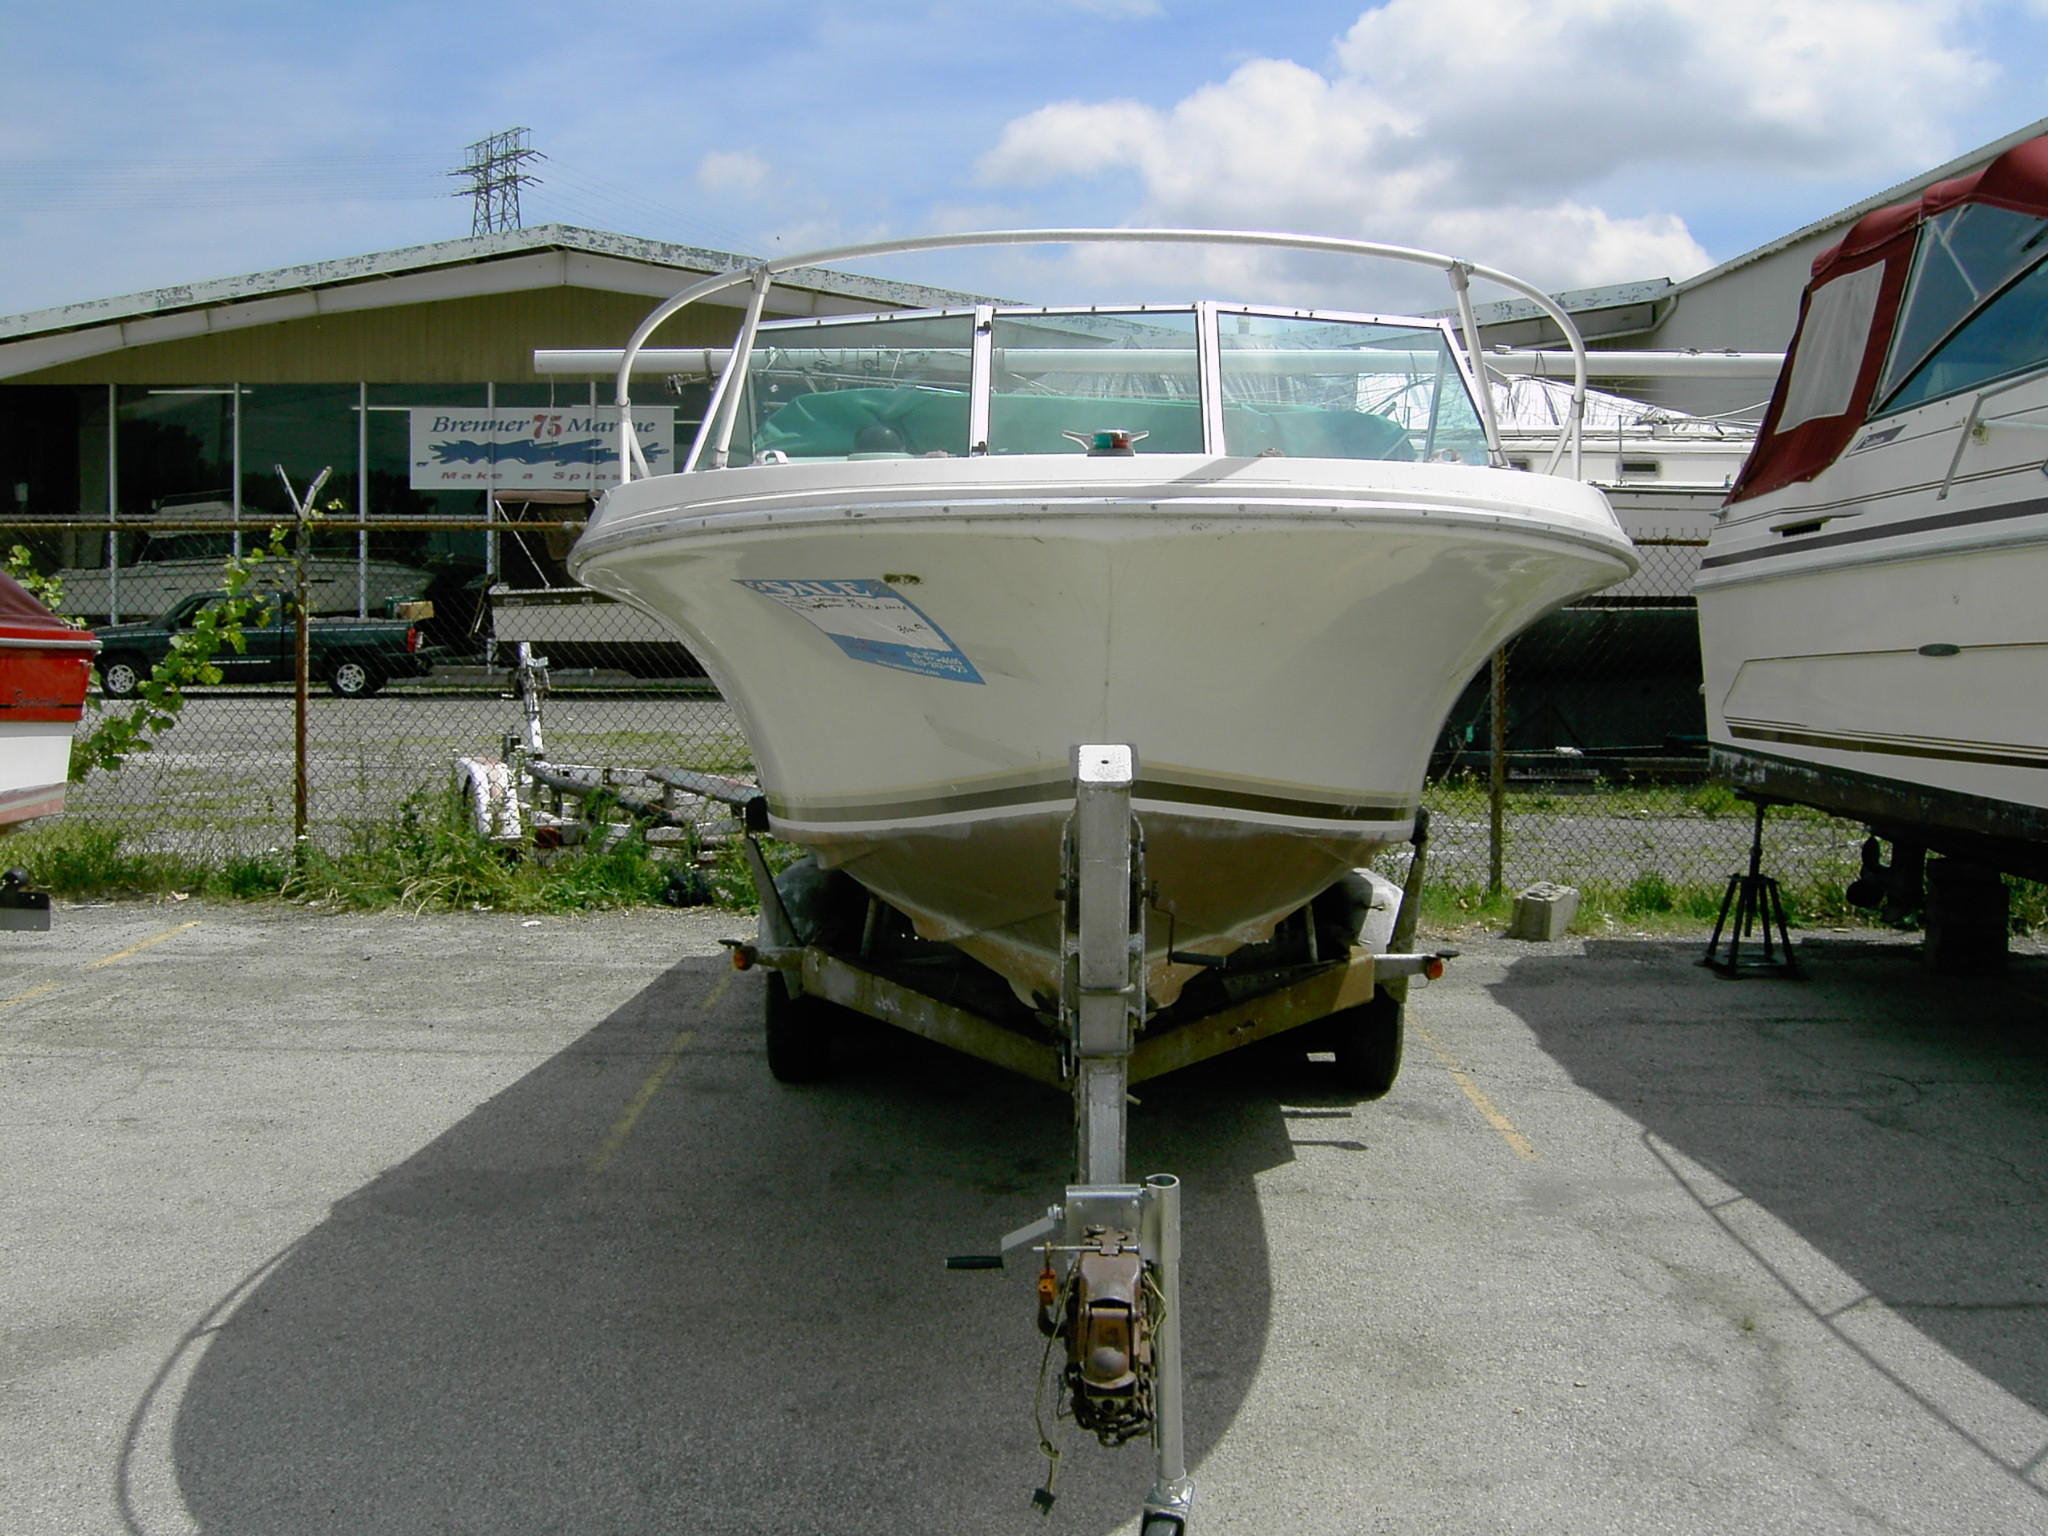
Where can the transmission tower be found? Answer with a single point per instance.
(495, 171)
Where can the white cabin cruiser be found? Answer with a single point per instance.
(1874, 633)
(1091, 652)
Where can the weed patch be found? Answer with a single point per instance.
(427, 857)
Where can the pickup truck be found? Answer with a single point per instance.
(354, 657)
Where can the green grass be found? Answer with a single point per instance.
(74, 856)
(1648, 904)
(1652, 904)
(425, 858)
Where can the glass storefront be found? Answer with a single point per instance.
(175, 450)
(207, 452)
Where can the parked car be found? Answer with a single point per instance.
(354, 657)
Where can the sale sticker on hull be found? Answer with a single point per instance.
(871, 621)
(542, 448)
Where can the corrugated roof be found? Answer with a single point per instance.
(478, 250)
(1621, 295)
(1896, 194)
(1572, 301)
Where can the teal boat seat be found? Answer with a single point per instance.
(840, 423)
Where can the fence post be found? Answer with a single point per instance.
(302, 510)
(1497, 776)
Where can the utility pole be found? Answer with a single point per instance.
(495, 171)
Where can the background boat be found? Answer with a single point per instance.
(1875, 639)
(45, 665)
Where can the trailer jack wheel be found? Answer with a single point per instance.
(799, 1031)
(1367, 1042)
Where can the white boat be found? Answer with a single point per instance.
(1096, 643)
(1665, 473)
(926, 555)
(576, 627)
(172, 566)
(1874, 633)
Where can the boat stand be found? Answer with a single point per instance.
(1756, 903)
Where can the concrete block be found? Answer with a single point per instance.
(1544, 911)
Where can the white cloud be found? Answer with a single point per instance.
(1116, 10)
(1558, 92)
(734, 172)
(1488, 127)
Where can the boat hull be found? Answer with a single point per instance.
(1864, 629)
(1279, 640)
(334, 584)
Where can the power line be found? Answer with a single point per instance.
(83, 185)
(75, 185)
(603, 203)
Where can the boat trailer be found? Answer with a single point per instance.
(1109, 1248)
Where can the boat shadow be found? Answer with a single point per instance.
(1896, 1121)
(731, 1317)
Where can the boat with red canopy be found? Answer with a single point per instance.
(1871, 615)
(45, 665)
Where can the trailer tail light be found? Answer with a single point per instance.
(412, 639)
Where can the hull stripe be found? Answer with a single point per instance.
(1957, 752)
(1023, 797)
(1975, 515)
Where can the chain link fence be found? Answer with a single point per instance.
(1592, 773)
(1579, 757)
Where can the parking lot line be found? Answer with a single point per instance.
(92, 965)
(32, 992)
(615, 1138)
(132, 949)
(1514, 1138)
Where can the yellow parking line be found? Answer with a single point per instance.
(92, 965)
(643, 1096)
(132, 949)
(1493, 1117)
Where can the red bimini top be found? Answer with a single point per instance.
(1850, 312)
(44, 663)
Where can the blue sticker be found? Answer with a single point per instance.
(871, 621)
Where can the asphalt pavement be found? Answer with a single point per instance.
(328, 1223)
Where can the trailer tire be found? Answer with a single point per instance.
(799, 1033)
(1367, 1043)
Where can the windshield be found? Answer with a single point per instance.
(1304, 386)
(1285, 384)
(1964, 256)
(1129, 372)
(880, 388)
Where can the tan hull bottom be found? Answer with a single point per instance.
(990, 887)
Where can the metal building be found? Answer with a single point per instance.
(175, 405)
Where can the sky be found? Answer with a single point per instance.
(1573, 142)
